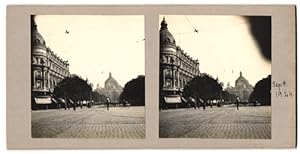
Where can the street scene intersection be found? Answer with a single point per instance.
(219, 123)
(95, 122)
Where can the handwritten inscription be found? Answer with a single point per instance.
(281, 89)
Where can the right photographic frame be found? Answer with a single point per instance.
(215, 76)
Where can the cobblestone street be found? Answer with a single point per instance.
(96, 122)
(225, 122)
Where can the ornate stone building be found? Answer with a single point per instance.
(111, 89)
(242, 88)
(177, 68)
(47, 70)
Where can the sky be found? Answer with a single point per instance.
(224, 46)
(97, 44)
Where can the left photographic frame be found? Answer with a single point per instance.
(87, 76)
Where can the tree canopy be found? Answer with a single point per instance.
(262, 91)
(73, 87)
(134, 91)
(228, 96)
(98, 98)
(204, 87)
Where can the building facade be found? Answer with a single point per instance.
(177, 68)
(242, 89)
(47, 70)
(111, 89)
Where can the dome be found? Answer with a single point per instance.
(36, 37)
(111, 83)
(165, 36)
(241, 81)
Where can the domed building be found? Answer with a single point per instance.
(177, 68)
(47, 70)
(242, 88)
(111, 89)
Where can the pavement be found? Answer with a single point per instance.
(218, 123)
(95, 122)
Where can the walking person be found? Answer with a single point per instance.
(124, 103)
(64, 103)
(204, 105)
(200, 102)
(255, 102)
(74, 106)
(193, 102)
(107, 103)
(237, 103)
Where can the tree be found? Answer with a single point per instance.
(98, 98)
(228, 96)
(262, 91)
(74, 88)
(204, 87)
(134, 91)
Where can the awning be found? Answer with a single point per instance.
(192, 100)
(184, 100)
(43, 100)
(62, 100)
(53, 100)
(71, 101)
(172, 99)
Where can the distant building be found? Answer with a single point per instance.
(177, 68)
(111, 89)
(242, 88)
(47, 70)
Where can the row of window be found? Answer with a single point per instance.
(58, 69)
(182, 83)
(53, 66)
(56, 60)
(39, 83)
(182, 65)
(183, 79)
(187, 59)
(168, 73)
(38, 77)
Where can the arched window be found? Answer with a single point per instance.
(164, 59)
(168, 39)
(168, 83)
(37, 41)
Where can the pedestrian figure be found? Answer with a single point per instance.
(204, 105)
(65, 105)
(193, 102)
(200, 102)
(124, 103)
(107, 103)
(195, 105)
(81, 105)
(255, 102)
(211, 104)
(237, 103)
(74, 106)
